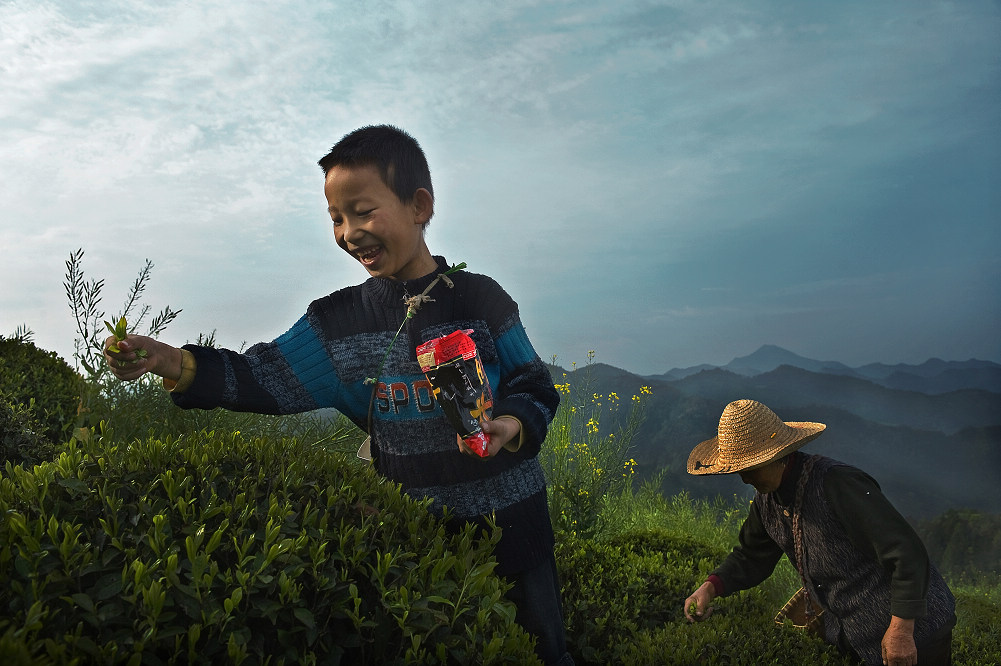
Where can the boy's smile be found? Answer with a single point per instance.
(371, 224)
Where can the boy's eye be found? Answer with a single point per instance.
(337, 221)
(365, 213)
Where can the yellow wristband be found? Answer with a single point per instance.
(188, 369)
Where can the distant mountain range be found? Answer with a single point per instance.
(933, 376)
(930, 434)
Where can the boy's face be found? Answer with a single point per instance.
(371, 224)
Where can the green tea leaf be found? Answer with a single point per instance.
(120, 330)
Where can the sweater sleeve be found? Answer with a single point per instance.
(753, 558)
(884, 534)
(526, 390)
(290, 374)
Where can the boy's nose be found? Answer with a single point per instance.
(353, 229)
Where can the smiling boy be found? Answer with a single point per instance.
(380, 199)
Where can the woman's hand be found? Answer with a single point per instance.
(898, 643)
(697, 606)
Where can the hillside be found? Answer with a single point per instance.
(929, 452)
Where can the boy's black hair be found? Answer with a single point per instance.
(397, 155)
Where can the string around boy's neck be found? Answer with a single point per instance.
(413, 304)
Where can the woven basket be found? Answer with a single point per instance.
(795, 612)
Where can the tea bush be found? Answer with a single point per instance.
(218, 548)
(623, 601)
(21, 438)
(42, 383)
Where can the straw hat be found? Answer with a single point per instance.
(750, 435)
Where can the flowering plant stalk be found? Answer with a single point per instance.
(588, 466)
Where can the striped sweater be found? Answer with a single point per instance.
(324, 359)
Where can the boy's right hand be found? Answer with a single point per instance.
(136, 355)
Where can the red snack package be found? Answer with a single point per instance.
(460, 385)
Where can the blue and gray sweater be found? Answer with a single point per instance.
(324, 359)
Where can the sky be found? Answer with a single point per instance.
(664, 183)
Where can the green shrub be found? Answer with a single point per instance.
(623, 603)
(42, 383)
(712, 522)
(217, 548)
(616, 589)
(21, 435)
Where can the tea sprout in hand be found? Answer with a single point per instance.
(120, 331)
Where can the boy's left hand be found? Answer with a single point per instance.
(501, 430)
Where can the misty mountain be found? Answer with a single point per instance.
(934, 376)
(794, 387)
(927, 370)
(681, 373)
(929, 452)
(765, 359)
(770, 357)
(953, 379)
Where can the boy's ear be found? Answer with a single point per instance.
(423, 205)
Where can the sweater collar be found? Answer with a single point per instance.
(395, 291)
